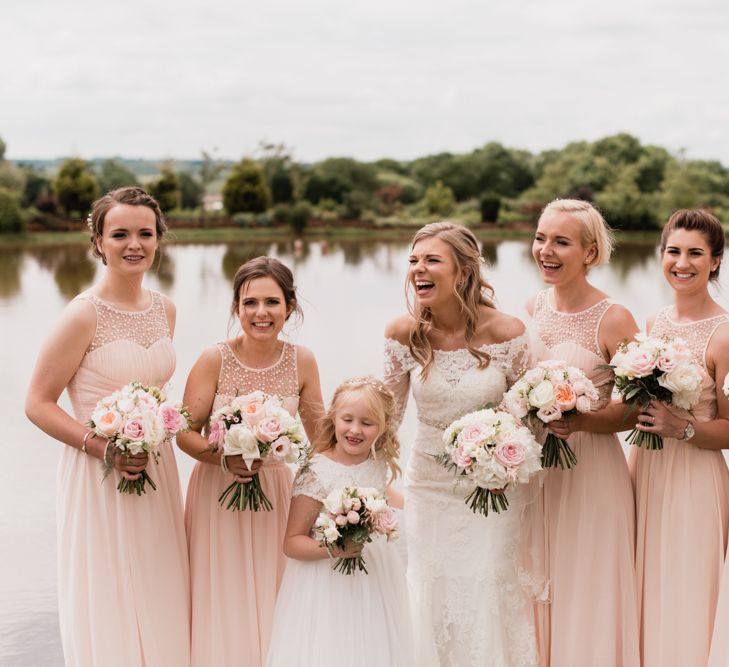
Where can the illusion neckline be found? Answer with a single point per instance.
(577, 312)
(257, 370)
(106, 304)
(684, 324)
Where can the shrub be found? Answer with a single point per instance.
(300, 216)
(282, 213)
(166, 189)
(490, 205)
(245, 191)
(11, 215)
(439, 199)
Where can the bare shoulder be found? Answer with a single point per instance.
(399, 329)
(305, 358)
(209, 362)
(619, 318)
(77, 320)
(720, 336)
(499, 327)
(169, 305)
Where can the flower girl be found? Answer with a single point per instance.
(325, 616)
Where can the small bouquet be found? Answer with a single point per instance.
(494, 450)
(254, 426)
(656, 369)
(551, 390)
(354, 514)
(138, 419)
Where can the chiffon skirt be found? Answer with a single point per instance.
(236, 567)
(682, 496)
(328, 619)
(589, 553)
(123, 580)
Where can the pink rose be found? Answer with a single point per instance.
(341, 519)
(352, 517)
(383, 522)
(584, 404)
(473, 434)
(172, 419)
(268, 429)
(510, 454)
(356, 504)
(216, 434)
(640, 363)
(461, 459)
(133, 429)
(282, 447)
(549, 414)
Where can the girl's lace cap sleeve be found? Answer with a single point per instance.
(307, 483)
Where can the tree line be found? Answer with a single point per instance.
(635, 185)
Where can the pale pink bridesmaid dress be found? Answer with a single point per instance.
(682, 497)
(236, 558)
(588, 544)
(123, 580)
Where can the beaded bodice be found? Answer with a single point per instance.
(144, 327)
(696, 334)
(281, 379)
(555, 327)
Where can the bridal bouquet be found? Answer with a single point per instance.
(551, 390)
(254, 426)
(494, 450)
(354, 514)
(138, 419)
(656, 369)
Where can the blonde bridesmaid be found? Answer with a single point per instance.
(587, 532)
(123, 581)
(682, 491)
(236, 558)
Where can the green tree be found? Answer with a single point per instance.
(113, 174)
(37, 186)
(245, 191)
(439, 199)
(334, 178)
(166, 189)
(281, 171)
(11, 215)
(75, 187)
(3, 148)
(191, 191)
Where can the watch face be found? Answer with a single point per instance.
(689, 432)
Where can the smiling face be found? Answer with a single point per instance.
(262, 309)
(687, 260)
(557, 248)
(433, 271)
(129, 238)
(356, 428)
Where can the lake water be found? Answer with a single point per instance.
(348, 291)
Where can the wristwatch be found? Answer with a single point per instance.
(689, 432)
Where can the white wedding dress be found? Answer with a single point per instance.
(469, 594)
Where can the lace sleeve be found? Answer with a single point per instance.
(396, 374)
(307, 483)
(515, 358)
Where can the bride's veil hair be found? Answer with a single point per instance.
(472, 293)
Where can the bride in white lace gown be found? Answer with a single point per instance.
(469, 598)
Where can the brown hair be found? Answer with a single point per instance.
(381, 402)
(266, 267)
(132, 196)
(474, 292)
(698, 220)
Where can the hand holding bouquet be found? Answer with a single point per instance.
(353, 515)
(549, 391)
(138, 419)
(493, 450)
(254, 426)
(656, 369)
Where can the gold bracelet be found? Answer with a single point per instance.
(86, 437)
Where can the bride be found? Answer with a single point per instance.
(459, 353)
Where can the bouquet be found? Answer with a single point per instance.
(254, 426)
(656, 369)
(138, 419)
(494, 450)
(552, 390)
(354, 514)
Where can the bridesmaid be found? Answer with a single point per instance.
(588, 514)
(236, 558)
(123, 581)
(682, 492)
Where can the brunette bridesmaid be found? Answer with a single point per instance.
(123, 581)
(682, 491)
(236, 558)
(588, 521)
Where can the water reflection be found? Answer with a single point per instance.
(73, 267)
(164, 269)
(11, 264)
(630, 256)
(240, 253)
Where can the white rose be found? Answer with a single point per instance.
(549, 414)
(684, 382)
(584, 404)
(154, 431)
(516, 404)
(542, 395)
(334, 502)
(240, 440)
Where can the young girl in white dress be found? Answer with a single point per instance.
(324, 617)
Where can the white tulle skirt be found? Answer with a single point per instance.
(325, 618)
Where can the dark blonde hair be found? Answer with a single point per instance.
(474, 291)
(381, 402)
(131, 196)
(698, 220)
(266, 267)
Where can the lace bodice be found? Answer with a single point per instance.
(454, 375)
(322, 475)
(574, 338)
(697, 335)
(144, 327)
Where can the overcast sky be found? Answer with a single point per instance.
(366, 79)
